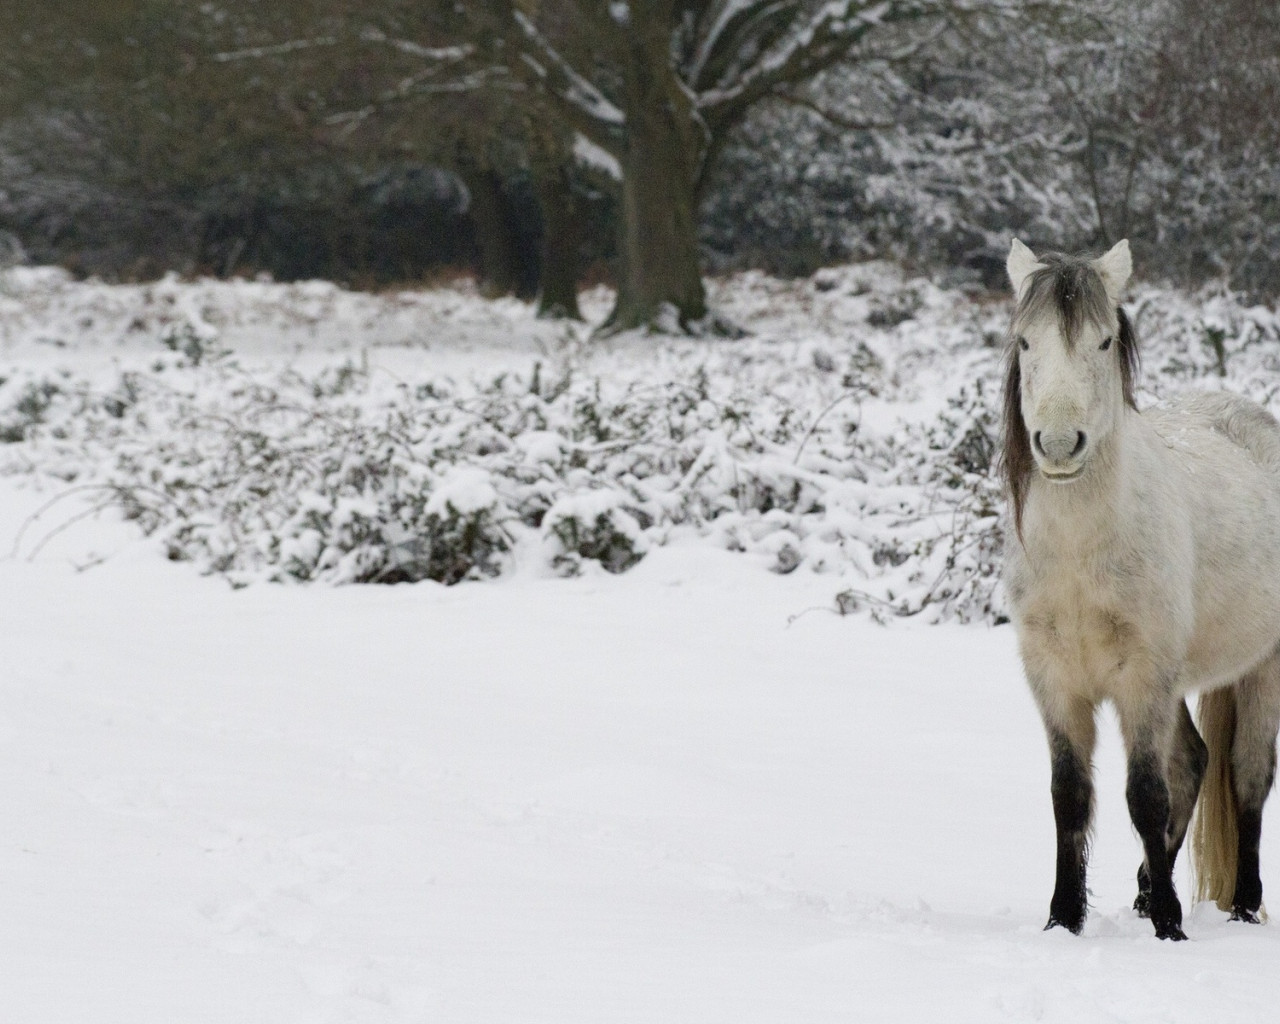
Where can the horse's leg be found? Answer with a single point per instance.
(1071, 731)
(1253, 770)
(1187, 763)
(1148, 721)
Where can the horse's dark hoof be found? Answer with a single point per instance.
(1074, 929)
(1246, 915)
(1172, 932)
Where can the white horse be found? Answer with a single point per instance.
(1144, 563)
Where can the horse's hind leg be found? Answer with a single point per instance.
(1253, 770)
(1071, 733)
(1187, 762)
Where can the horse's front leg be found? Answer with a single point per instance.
(1148, 720)
(1184, 773)
(1071, 731)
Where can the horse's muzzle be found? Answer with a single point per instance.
(1059, 446)
(1064, 477)
(1059, 453)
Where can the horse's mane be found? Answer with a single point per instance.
(1069, 288)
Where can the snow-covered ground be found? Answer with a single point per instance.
(691, 791)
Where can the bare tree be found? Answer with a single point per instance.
(658, 86)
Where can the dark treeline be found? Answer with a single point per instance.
(542, 144)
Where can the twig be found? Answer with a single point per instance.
(66, 525)
(852, 393)
(843, 123)
(35, 516)
(273, 49)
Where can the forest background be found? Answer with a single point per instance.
(545, 144)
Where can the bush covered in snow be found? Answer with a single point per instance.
(854, 434)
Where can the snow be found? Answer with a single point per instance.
(595, 157)
(687, 792)
(661, 796)
(461, 492)
(542, 446)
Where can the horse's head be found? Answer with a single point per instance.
(1072, 358)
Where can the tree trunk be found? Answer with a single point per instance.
(659, 279)
(499, 262)
(550, 160)
(561, 242)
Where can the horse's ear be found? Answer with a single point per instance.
(1114, 268)
(1021, 264)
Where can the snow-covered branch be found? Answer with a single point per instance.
(592, 111)
(274, 49)
(591, 156)
(804, 49)
(740, 18)
(448, 54)
(416, 86)
(830, 116)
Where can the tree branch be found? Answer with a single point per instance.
(275, 49)
(843, 123)
(542, 65)
(446, 54)
(812, 48)
(412, 88)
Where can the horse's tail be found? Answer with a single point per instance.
(1214, 834)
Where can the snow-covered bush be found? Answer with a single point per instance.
(760, 446)
(593, 526)
(838, 439)
(25, 403)
(463, 537)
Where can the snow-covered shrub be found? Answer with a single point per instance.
(464, 536)
(274, 486)
(758, 445)
(195, 341)
(592, 526)
(24, 405)
(822, 444)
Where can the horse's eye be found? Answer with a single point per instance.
(1106, 344)
(1022, 343)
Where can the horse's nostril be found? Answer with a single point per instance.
(1059, 446)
